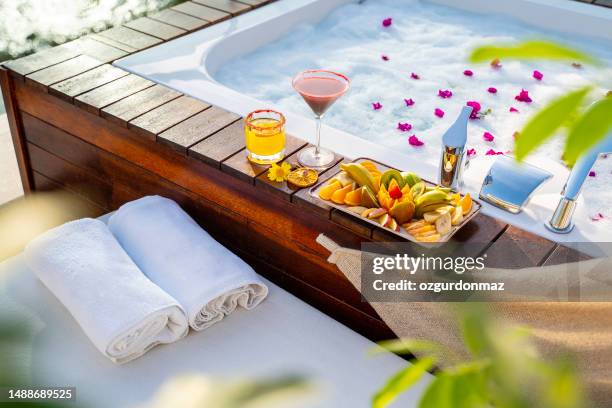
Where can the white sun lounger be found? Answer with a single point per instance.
(282, 335)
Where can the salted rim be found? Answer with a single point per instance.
(249, 118)
(308, 71)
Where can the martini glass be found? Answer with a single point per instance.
(320, 89)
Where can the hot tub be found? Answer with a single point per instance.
(194, 64)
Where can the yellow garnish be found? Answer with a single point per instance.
(303, 177)
(279, 173)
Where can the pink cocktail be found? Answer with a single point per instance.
(320, 89)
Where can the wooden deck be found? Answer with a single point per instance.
(81, 125)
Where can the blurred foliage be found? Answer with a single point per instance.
(29, 25)
(586, 125)
(504, 370)
(15, 342)
(530, 50)
(198, 391)
(24, 218)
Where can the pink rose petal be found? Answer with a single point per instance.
(492, 90)
(475, 109)
(414, 76)
(597, 217)
(538, 75)
(513, 109)
(492, 152)
(387, 22)
(409, 102)
(445, 94)
(471, 152)
(592, 173)
(404, 127)
(384, 57)
(377, 105)
(468, 72)
(414, 141)
(488, 137)
(439, 113)
(523, 96)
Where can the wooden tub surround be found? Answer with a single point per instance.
(107, 137)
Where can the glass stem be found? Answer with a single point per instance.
(318, 146)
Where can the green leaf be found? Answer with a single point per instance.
(531, 50)
(547, 121)
(589, 129)
(439, 393)
(405, 346)
(401, 381)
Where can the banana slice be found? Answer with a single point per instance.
(443, 224)
(428, 238)
(457, 216)
(414, 224)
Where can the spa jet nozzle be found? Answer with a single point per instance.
(561, 220)
(453, 150)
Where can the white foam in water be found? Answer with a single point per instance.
(434, 42)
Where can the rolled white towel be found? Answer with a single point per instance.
(184, 260)
(121, 311)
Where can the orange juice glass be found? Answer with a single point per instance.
(265, 136)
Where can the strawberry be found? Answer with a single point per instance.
(395, 192)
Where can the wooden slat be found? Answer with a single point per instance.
(132, 38)
(218, 147)
(110, 93)
(563, 254)
(202, 12)
(102, 52)
(165, 116)
(76, 206)
(70, 176)
(229, 6)
(126, 109)
(112, 43)
(155, 28)
(98, 164)
(62, 71)
(86, 81)
(240, 167)
(605, 3)
(189, 132)
(255, 3)
(41, 59)
(284, 190)
(351, 223)
(179, 20)
(17, 135)
(517, 248)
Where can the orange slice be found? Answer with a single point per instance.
(466, 203)
(326, 192)
(339, 195)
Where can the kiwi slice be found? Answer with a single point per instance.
(386, 177)
(368, 199)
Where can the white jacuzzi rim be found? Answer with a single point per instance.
(205, 50)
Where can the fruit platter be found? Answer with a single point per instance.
(402, 202)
